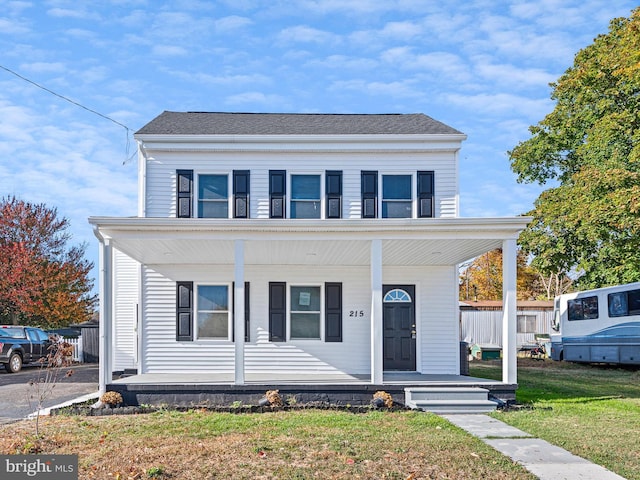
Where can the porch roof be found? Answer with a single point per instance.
(406, 242)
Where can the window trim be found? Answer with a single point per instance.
(196, 189)
(412, 186)
(196, 311)
(321, 199)
(321, 312)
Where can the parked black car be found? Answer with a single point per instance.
(22, 345)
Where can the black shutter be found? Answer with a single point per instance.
(334, 194)
(425, 194)
(246, 310)
(277, 311)
(184, 311)
(333, 312)
(369, 190)
(277, 191)
(184, 193)
(241, 193)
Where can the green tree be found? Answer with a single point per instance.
(589, 147)
(482, 278)
(43, 281)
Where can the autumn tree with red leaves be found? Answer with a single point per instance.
(43, 281)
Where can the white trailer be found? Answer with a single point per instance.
(598, 326)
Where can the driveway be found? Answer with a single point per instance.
(18, 399)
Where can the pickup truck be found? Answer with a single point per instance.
(22, 345)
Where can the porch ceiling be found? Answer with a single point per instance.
(347, 242)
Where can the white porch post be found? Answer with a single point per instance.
(238, 315)
(509, 282)
(376, 312)
(105, 366)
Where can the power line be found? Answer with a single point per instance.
(48, 90)
(65, 98)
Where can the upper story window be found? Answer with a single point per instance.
(213, 196)
(305, 196)
(396, 196)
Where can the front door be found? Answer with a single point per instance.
(399, 325)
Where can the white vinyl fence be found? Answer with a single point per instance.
(484, 327)
(77, 348)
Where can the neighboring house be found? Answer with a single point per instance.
(481, 321)
(269, 245)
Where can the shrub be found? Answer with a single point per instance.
(111, 398)
(384, 397)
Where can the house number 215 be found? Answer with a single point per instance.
(356, 313)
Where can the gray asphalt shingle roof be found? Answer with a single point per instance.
(215, 123)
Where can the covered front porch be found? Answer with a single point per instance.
(239, 246)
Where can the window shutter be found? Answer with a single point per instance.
(333, 312)
(246, 310)
(241, 193)
(425, 194)
(184, 311)
(277, 191)
(334, 194)
(277, 311)
(369, 190)
(184, 193)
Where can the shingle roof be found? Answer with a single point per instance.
(214, 123)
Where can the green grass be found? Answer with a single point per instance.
(592, 411)
(284, 445)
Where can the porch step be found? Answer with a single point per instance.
(443, 400)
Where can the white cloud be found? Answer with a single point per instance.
(509, 74)
(230, 23)
(396, 89)
(256, 98)
(10, 26)
(343, 62)
(168, 50)
(305, 34)
(500, 103)
(76, 13)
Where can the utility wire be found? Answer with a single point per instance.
(127, 158)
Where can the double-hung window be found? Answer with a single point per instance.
(212, 303)
(397, 196)
(305, 196)
(213, 196)
(305, 312)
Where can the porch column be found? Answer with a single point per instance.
(105, 292)
(238, 312)
(509, 282)
(376, 313)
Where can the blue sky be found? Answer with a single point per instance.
(481, 66)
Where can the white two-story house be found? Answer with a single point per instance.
(284, 246)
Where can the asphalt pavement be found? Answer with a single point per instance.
(18, 398)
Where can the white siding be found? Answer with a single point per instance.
(438, 324)
(126, 273)
(436, 316)
(485, 327)
(162, 166)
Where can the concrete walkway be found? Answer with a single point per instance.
(541, 458)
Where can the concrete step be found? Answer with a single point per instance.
(454, 406)
(450, 400)
(446, 393)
